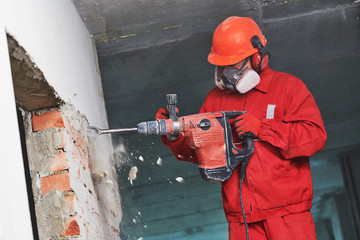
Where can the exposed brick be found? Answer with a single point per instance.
(47, 120)
(81, 143)
(79, 156)
(75, 151)
(60, 182)
(71, 130)
(72, 227)
(69, 202)
(59, 162)
(87, 232)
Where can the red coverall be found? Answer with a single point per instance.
(278, 188)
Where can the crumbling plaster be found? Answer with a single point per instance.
(96, 191)
(32, 91)
(56, 38)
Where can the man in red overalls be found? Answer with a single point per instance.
(288, 129)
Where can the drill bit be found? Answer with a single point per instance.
(107, 131)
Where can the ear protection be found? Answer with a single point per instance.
(259, 60)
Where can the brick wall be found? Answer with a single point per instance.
(72, 199)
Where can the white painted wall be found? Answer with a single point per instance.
(57, 40)
(15, 220)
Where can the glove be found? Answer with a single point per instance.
(164, 114)
(247, 125)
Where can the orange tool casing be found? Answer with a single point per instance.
(210, 135)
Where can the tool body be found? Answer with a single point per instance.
(209, 134)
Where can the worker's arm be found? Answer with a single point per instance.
(301, 132)
(180, 148)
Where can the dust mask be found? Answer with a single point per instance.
(242, 80)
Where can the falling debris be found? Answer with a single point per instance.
(134, 220)
(120, 148)
(140, 238)
(109, 182)
(91, 132)
(133, 174)
(159, 161)
(169, 181)
(141, 158)
(180, 179)
(139, 214)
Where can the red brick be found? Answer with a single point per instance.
(47, 120)
(59, 162)
(69, 202)
(60, 182)
(72, 227)
(81, 144)
(71, 129)
(79, 156)
(87, 232)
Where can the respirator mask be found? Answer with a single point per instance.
(243, 79)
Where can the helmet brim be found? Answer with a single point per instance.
(218, 60)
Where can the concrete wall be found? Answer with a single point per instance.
(72, 176)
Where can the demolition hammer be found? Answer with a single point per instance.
(209, 134)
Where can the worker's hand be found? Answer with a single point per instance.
(164, 114)
(247, 125)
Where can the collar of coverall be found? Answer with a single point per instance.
(265, 79)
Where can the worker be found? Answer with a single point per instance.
(282, 116)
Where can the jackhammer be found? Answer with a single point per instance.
(209, 134)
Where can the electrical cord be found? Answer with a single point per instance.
(241, 179)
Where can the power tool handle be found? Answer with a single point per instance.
(211, 169)
(171, 102)
(246, 154)
(238, 156)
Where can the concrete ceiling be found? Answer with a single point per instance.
(147, 49)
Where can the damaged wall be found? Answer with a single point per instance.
(57, 85)
(59, 44)
(72, 198)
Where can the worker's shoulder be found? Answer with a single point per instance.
(287, 79)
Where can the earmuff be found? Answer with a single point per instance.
(259, 60)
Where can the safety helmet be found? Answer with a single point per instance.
(232, 41)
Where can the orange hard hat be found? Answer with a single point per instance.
(232, 41)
